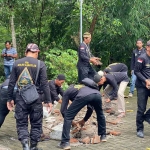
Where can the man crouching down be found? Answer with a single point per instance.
(81, 95)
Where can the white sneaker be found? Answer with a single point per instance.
(130, 95)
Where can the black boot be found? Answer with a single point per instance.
(25, 144)
(33, 146)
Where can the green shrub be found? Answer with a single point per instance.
(62, 62)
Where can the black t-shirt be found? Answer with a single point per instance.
(55, 90)
(84, 55)
(142, 70)
(76, 91)
(24, 72)
(113, 79)
(135, 54)
(116, 67)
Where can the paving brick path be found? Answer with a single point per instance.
(126, 141)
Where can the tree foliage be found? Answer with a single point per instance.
(115, 25)
(62, 62)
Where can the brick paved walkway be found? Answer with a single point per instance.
(126, 141)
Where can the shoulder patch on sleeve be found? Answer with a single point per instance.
(139, 60)
(81, 48)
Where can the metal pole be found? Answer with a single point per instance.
(81, 1)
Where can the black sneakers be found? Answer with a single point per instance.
(64, 145)
(103, 138)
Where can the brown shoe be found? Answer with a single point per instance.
(44, 137)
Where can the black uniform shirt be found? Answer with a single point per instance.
(116, 67)
(77, 91)
(84, 55)
(113, 79)
(29, 65)
(55, 90)
(135, 54)
(142, 70)
(69, 94)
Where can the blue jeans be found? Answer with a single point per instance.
(7, 70)
(132, 83)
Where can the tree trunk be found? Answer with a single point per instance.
(13, 32)
(92, 26)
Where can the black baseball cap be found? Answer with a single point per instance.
(61, 77)
(32, 47)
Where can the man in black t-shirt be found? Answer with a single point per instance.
(142, 71)
(24, 73)
(56, 89)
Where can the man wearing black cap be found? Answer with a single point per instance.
(142, 71)
(85, 70)
(3, 100)
(81, 95)
(30, 75)
(55, 88)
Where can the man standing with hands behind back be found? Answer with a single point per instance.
(85, 57)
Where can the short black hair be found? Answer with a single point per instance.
(61, 77)
(7, 42)
(139, 40)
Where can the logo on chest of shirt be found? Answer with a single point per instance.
(24, 78)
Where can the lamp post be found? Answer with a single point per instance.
(81, 2)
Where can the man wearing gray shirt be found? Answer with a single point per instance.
(9, 53)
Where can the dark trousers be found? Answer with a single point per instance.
(3, 105)
(88, 113)
(142, 97)
(76, 106)
(85, 72)
(35, 113)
